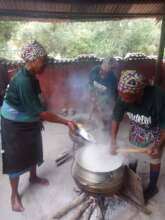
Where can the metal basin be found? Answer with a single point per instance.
(88, 124)
(108, 182)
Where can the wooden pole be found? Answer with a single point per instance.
(161, 52)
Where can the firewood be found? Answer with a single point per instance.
(89, 212)
(70, 206)
(99, 214)
(81, 209)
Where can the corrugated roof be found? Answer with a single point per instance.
(80, 10)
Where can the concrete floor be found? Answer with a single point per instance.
(41, 203)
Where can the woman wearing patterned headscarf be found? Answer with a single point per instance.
(145, 106)
(22, 112)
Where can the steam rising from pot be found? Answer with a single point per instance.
(97, 158)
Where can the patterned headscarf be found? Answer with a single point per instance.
(32, 51)
(131, 82)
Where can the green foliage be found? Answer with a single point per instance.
(70, 39)
(6, 29)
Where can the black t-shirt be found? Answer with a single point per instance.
(147, 116)
(107, 85)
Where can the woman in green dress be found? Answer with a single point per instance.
(22, 114)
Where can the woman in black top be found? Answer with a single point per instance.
(145, 107)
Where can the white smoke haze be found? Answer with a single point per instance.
(78, 100)
(97, 158)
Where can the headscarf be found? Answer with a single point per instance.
(32, 51)
(131, 82)
(108, 62)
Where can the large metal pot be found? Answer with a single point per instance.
(104, 182)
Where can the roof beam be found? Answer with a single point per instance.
(71, 15)
(99, 1)
(80, 9)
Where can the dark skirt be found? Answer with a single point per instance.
(21, 145)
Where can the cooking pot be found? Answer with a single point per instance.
(98, 176)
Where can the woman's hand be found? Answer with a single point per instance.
(153, 152)
(72, 125)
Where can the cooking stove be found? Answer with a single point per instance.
(97, 206)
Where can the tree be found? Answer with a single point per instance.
(103, 38)
(7, 28)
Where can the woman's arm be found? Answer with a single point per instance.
(51, 117)
(114, 132)
(156, 150)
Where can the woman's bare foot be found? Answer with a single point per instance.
(16, 203)
(39, 180)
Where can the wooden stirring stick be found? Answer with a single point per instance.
(131, 150)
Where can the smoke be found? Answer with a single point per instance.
(97, 158)
(79, 92)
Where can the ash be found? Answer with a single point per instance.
(114, 206)
(109, 207)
